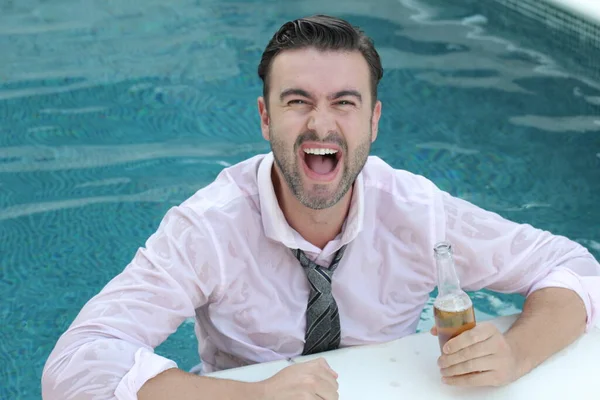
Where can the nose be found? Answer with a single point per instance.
(322, 122)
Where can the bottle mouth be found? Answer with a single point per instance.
(442, 248)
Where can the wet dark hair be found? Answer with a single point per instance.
(323, 33)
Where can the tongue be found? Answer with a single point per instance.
(320, 164)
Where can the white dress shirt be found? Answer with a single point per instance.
(223, 258)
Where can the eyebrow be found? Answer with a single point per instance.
(336, 95)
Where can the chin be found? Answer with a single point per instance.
(320, 196)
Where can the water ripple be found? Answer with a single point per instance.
(452, 148)
(559, 124)
(48, 158)
(82, 110)
(470, 33)
(591, 244)
(104, 182)
(159, 195)
(8, 94)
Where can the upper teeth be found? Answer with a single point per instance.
(320, 152)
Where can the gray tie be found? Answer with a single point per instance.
(322, 317)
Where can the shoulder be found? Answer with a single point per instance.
(235, 187)
(404, 186)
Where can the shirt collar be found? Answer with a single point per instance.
(276, 226)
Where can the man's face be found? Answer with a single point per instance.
(320, 122)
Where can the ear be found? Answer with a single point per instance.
(375, 121)
(264, 117)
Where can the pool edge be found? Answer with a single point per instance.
(585, 9)
(573, 26)
(581, 16)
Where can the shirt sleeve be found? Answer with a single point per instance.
(108, 351)
(509, 257)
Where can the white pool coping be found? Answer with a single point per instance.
(588, 9)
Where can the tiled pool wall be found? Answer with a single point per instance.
(573, 25)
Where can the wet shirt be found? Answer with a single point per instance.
(223, 259)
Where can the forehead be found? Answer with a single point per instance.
(319, 71)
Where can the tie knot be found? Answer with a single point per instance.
(307, 263)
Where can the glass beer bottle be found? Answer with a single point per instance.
(452, 309)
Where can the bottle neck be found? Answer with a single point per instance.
(447, 278)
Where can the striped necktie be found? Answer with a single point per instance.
(322, 317)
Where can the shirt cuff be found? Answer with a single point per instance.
(146, 366)
(584, 286)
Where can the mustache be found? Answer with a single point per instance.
(332, 138)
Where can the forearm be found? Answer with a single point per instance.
(552, 318)
(177, 384)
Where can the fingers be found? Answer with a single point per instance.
(476, 350)
(477, 334)
(326, 380)
(330, 380)
(327, 388)
(325, 365)
(433, 330)
(481, 364)
(479, 357)
(478, 379)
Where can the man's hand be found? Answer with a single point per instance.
(478, 357)
(311, 380)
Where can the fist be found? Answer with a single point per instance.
(311, 380)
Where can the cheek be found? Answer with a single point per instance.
(293, 121)
(355, 129)
(288, 127)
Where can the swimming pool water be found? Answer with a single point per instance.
(112, 112)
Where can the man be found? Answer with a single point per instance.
(241, 255)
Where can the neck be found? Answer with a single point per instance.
(316, 226)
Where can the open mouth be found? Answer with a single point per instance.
(321, 163)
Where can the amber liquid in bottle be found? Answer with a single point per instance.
(452, 309)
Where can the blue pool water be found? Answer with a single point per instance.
(112, 112)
